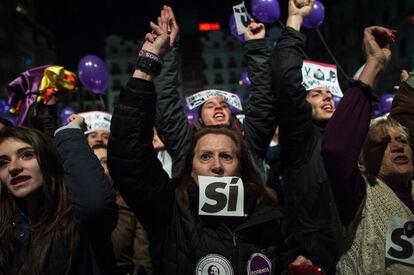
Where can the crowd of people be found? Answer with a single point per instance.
(148, 193)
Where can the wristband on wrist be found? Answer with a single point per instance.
(149, 62)
(149, 55)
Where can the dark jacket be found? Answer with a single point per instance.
(306, 190)
(260, 118)
(130, 241)
(94, 210)
(179, 238)
(403, 106)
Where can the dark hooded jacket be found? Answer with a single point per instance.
(307, 197)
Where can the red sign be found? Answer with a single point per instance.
(205, 27)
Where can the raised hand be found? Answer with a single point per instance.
(157, 42)
(255, 31)
(376, 44)
(298, 10)
(77, 120)
(300, 7)
(167, 17)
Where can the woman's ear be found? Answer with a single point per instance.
(362, 167)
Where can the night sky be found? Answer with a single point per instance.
(81, 26)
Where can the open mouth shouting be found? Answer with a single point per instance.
(219, 116)
(327, 107)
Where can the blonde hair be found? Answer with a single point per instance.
(378, 130)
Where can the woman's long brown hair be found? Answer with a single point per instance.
(54, 223)
(251, 180)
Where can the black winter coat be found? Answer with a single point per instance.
(179, 237)
(307, 198)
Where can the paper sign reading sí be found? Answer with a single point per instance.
(400, 241)
(221, 196)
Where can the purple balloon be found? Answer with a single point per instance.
(336, 99)
(65, 113)
(233, 28)
(267, 11)
(4, 106)
(376, 113)
(192, 115)
(244, 79)
(93, 74)
(316, 17)
(386, 102)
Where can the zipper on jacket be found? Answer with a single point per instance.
(234, 236)
(236, 261)
(234, 239)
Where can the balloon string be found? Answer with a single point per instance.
(331, 54)
(102, 102)
(284, 27)
(281, 24)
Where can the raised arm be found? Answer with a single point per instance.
(260, 120)
(93, 200)
(171, 119)
(294, 112)
(132, 160)
(346, 130)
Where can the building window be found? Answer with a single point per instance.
(233, 78)
(205, 80)
(218, 79)
(114, 50)
(232, 62)
(217, 64)
(230, 45)
(130, 68)
(115, 69)
(116, 85)
(216, 44)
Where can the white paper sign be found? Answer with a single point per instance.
(316, 74)
(97, 120)
(241, 117)
(242, 17)
(221, 196)
(400, 240)
(195, 100)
